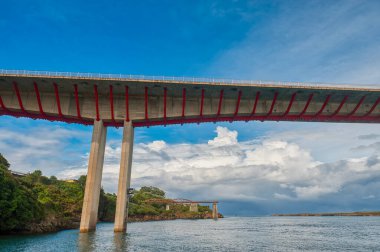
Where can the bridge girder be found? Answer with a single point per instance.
(150, 103)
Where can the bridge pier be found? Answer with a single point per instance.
(94, 177)
(121, 215)
(193, 207)
(214, 211)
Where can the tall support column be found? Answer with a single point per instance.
(94, 178)
(121, 215)
(214, 211)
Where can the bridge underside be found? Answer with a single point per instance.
(149, 103)
(140, 102)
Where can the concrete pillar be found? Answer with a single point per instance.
(167, 207)
(214, 211)
(193, 207)
(121, 215)
(94, 178)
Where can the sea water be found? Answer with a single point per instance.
(228, 234)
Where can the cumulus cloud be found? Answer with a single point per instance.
(227, 169)
(48, 148)
(225, 137)
(288, 167)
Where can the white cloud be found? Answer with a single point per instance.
(226, 169)
(224, 137)
(311, 163)
(44, 147)
(157, 145)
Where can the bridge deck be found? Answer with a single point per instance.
(149, 101)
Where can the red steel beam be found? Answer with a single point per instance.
(256, 101)
(238, 103)
(373, 107)
(126, 104)
(202, 100)
(15, 86)
(306, 105)
(3, 105)
(57, 99)
(165, 93)
(111, 103)
(335, 117)
(146, 103)
(273, 102)
(183, 101)
(220, 102)
(323, 106)
(51, 118)
(340, 106)
(308, 118)
(96, 102)
(77, 100)
(38, 98)
(357, 106)
(290, 104)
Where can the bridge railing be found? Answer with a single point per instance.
(171, 79)
(20, 174)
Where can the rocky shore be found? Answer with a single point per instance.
(52, 224)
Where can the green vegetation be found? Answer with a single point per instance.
(36, 203)
(18, 202)
(138, 207)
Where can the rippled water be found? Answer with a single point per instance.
(229, 234)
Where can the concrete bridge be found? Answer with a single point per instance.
(130, 101)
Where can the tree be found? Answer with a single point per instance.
(34, 177)
(4, 162)
(82, 181)
(53, 179)
(153, 191)
(18, 204)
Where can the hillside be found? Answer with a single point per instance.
(35, 203)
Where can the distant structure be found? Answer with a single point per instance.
(193, 205)
(71, 180)
(109, 100)
(18, 174)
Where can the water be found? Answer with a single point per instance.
(229, 234)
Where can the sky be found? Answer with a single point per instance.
(254, 168)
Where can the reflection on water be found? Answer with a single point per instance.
(91, 241)
(120, 241)
(229, 234)
(86, 241)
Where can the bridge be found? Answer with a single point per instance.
(18, 174)
(111, 100)
(192, 204)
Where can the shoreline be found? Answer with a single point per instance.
(134, 220)
(348, 214)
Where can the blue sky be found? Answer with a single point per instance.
(313, 41)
